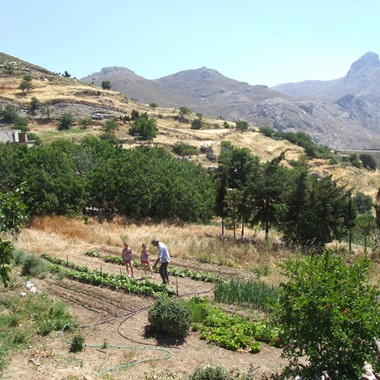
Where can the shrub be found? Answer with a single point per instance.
(33, 266)
(170, 316)
(77, 344)
(65, 121)
(329, 314)
(210, 372)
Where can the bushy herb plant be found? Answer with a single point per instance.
(170, 316)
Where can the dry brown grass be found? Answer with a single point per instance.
(197, 246)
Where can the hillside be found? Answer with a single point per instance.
(342, 113)
(67, 95)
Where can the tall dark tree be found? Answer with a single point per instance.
(294, 220)
(221, 191)
(267, 193)
(349, 221)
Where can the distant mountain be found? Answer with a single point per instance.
(362, 78)
(143, 90)
(343, 113)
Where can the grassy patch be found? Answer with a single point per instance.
(24, 317)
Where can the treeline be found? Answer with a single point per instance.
(64, 178)
(308, 209)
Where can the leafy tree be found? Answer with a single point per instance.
(66, 74)
(47, 111)
(233, 201)
(153, 105)
(349, 221)
(13, 216)
(25, 86)
(329, 314)
(183, 111)
(362, 202)
(267, 190)
(106, 85)
(354, 159)
(221, 192)
(65, 121)
(377, 209)
(294, 220)
(366, 224)
(145, 127)
(35, 105)
(242, 126)
(368, 161)
(9, 114)
(21, 123)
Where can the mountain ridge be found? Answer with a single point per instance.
(343, 113)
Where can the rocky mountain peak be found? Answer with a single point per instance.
(115, 69)
(366, 62)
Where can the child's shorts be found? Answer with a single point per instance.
(145, 262)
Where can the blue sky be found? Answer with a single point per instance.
(260, 42)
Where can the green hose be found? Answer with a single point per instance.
(167, 354)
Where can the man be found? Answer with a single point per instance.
(163, 258)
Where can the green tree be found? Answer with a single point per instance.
(349, 221)
(25, 86)
(106, 85)
(145, 127)
(65, 121)
(267, 190)
(9, 114)
(47, 111)
(366, 224)
(368, 161)
(242, 126)
(221, 192)
(35, 105)
(13, 216)
(354, 159)
(329, 314)
(362, 202)
(233, 201)
(153, 105)
(377, 209)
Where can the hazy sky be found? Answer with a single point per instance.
(259, 42)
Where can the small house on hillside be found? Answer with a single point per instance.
(14, 136)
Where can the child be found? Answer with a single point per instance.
(127, 257)
(145, 261)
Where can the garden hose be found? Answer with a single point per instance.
(166, 356)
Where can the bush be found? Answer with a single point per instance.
(65, 121)
(33, 266)
(77, 344)
(170, 316)
(329, 314)
(210, 372)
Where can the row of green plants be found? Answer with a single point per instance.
(174, 271)
(100, 278)
(250, 293)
